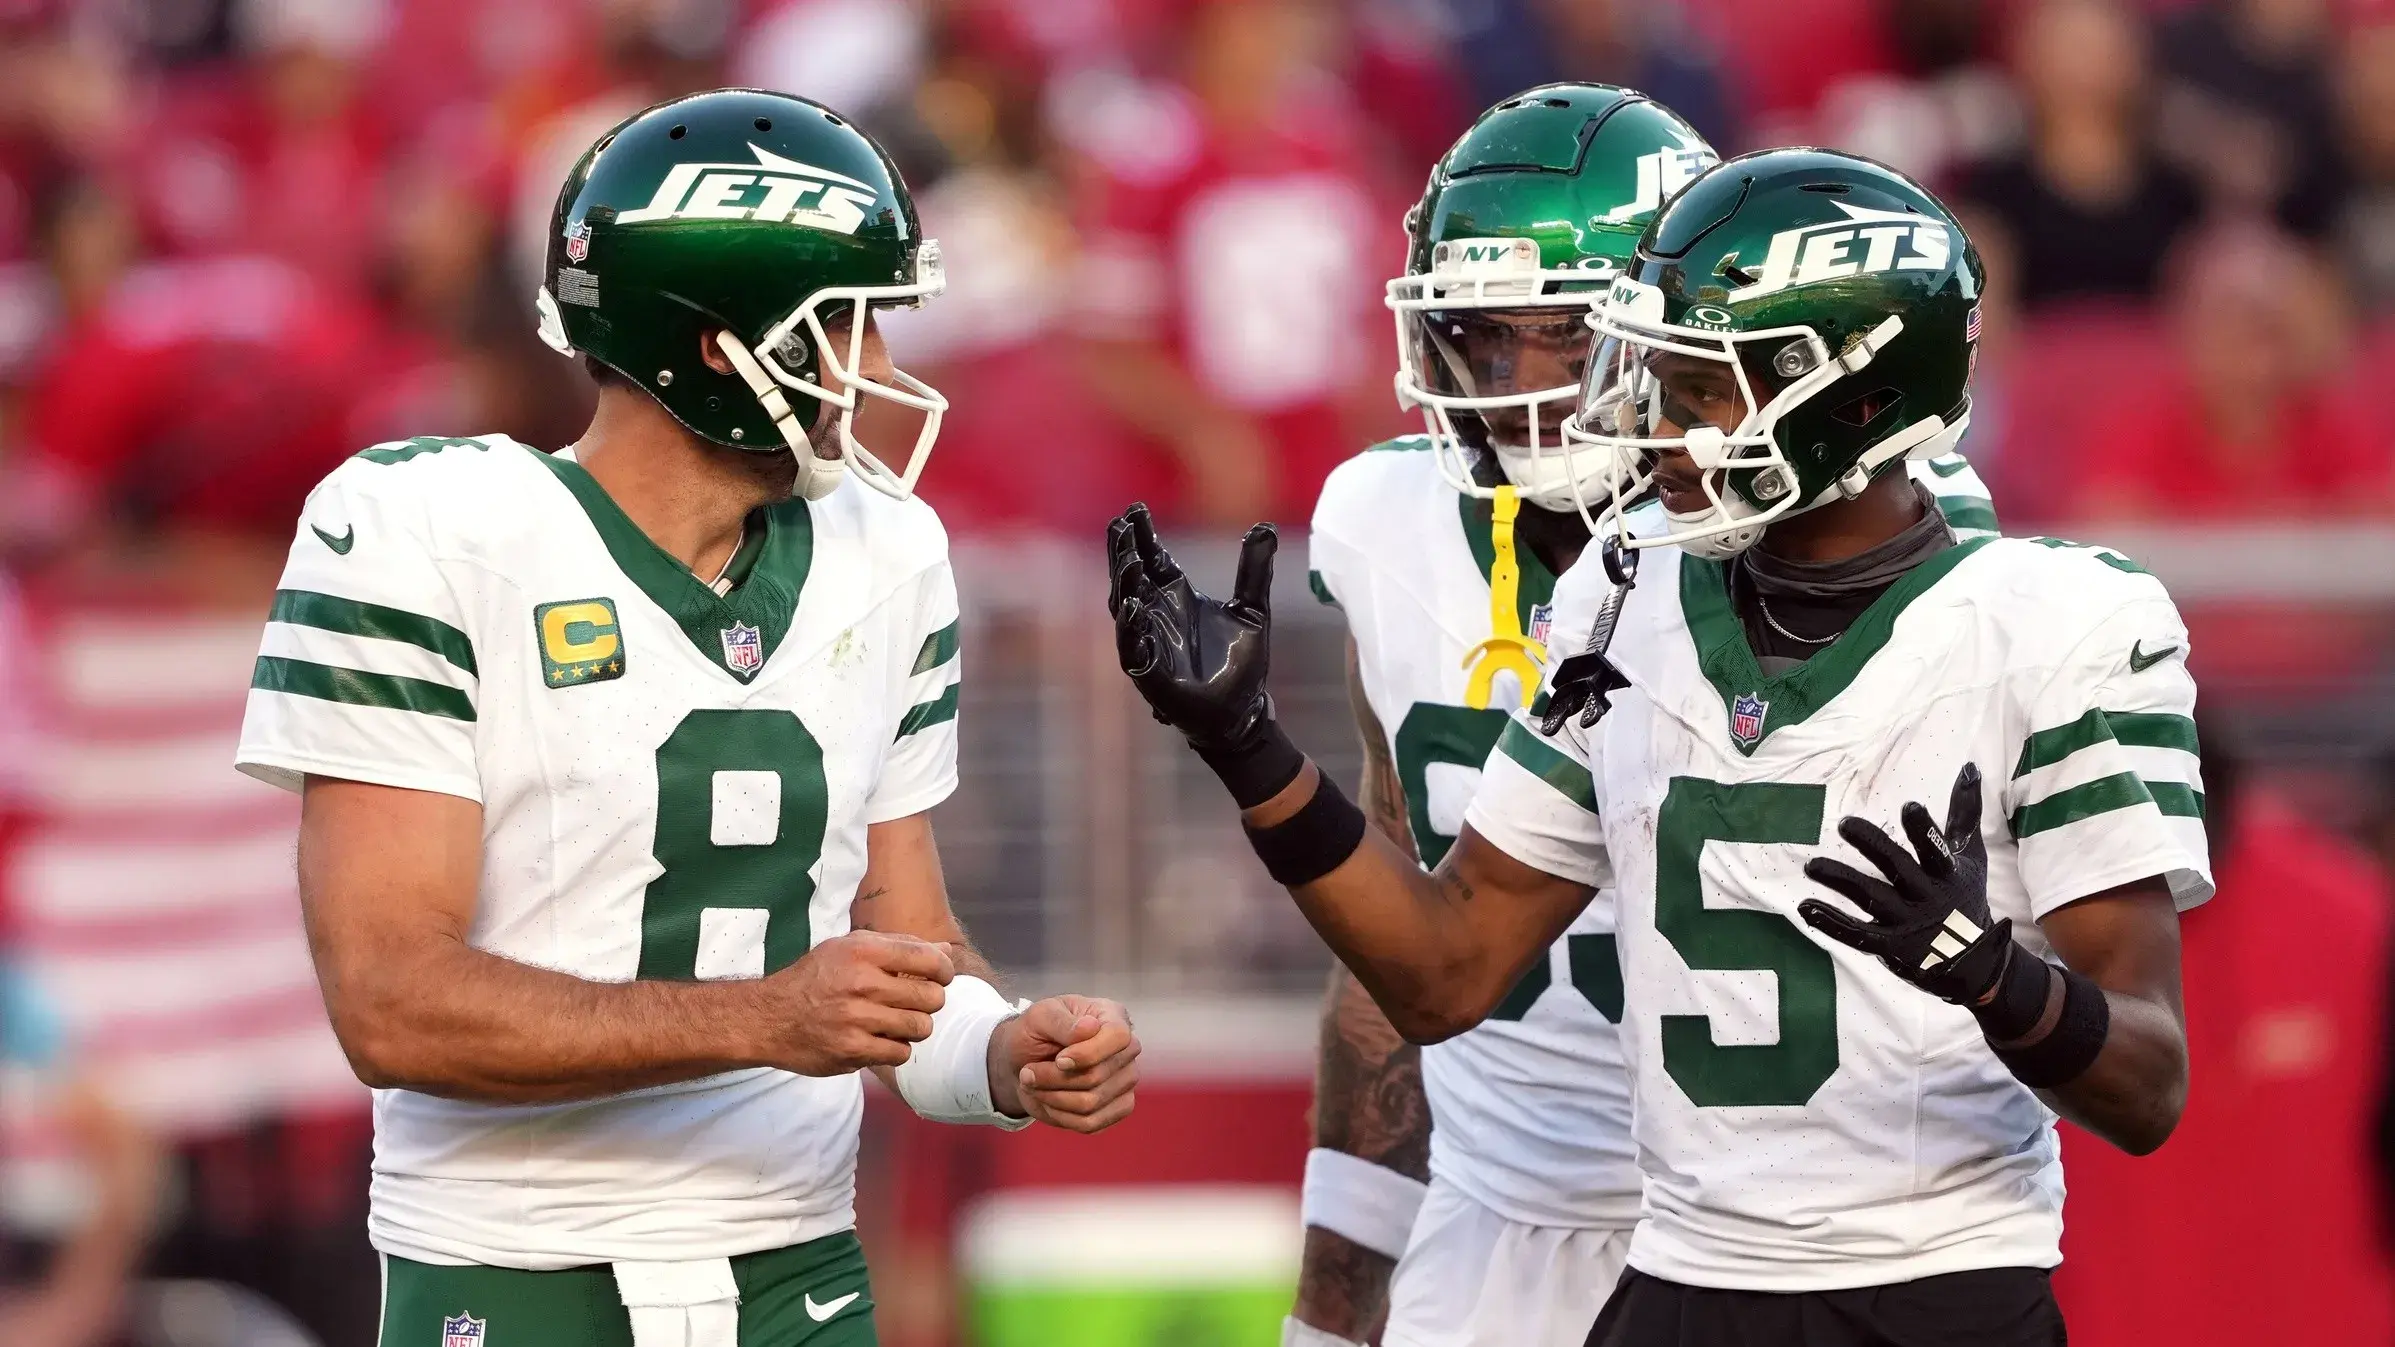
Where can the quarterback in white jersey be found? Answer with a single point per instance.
(614, 850)
(1845, 1081)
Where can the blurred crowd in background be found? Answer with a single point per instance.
(240, 239)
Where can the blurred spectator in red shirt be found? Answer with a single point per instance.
(2247, 107)
(2087, 208)
(279, 156)
(2255, 1222)
(2259, 417)
(1232, 261)
(1025, 442)
(2365, 226)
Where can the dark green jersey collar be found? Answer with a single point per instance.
(1757, 704)
(775, 560)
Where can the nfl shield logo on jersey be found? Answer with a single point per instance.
(1542, 621)
(462, 1331)
(1746, 718)
(743, 649)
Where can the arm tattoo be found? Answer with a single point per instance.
(1368, 1097)
(1368, 1102)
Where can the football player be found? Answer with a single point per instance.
(614, 851)
(1442, 550)
(1847, 1050)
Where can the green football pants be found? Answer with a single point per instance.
(809, 1295)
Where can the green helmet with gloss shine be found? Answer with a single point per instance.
(1836, 297)
(1525, 221)
(759, 224)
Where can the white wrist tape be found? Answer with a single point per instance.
(1364, 1202)
(1295, 1333)
(947, 1077)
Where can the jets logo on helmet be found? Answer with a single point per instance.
(1524, 222)
(755, 230)
(773, 190)
(1794, 323)
(1875, 242)
(1660, 176)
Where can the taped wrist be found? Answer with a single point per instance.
(1312, 842)
(2047, 1024)
(1366, 1204)
(1258, 769)
(947, 1076)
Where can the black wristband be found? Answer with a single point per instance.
(2064, 1051)
(2018, 1003)
(1312, 842)
(1258, 769)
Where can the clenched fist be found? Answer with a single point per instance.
(857, 1000)
(1069, 1061)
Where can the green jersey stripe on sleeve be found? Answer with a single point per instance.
(1570, 779)
(938, 649)
(2176, 798)
(924, 715)
(2153, 729)
(2104, 795)
(2134, 729)
(331, 612)
(356, 687)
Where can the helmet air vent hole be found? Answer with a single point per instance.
(833, 118)
(715, 404)
(1827, 188)
(1869, 407)
(1557, 102)
(765, 123)
(677, 133)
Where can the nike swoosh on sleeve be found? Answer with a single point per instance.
(2139, 661)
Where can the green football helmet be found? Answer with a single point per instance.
(763, 218)
(1525, 222)
(1825, 307)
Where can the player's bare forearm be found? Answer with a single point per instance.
(1437, 951)
(1069, 1061)
(1368, 1095)
(388, 881)
(1368, 1102)
(2126, 940)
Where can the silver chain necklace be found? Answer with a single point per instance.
(1774, 623)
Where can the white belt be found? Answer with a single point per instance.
(689, 1304)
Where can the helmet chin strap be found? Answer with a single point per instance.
(817, 476)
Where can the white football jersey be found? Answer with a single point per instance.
(1531, 1111)
(674, 785)
(1806, 1119)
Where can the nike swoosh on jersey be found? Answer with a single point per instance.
(1943, 468)
(340, 545)
(2139, 661)
(819, 1313)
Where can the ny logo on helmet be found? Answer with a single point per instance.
(1867, 242)
(772, 190)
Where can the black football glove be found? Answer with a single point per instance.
(1929, 916)
(1200, 662)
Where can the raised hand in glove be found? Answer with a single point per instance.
(1929, 918)
(1201, 662)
